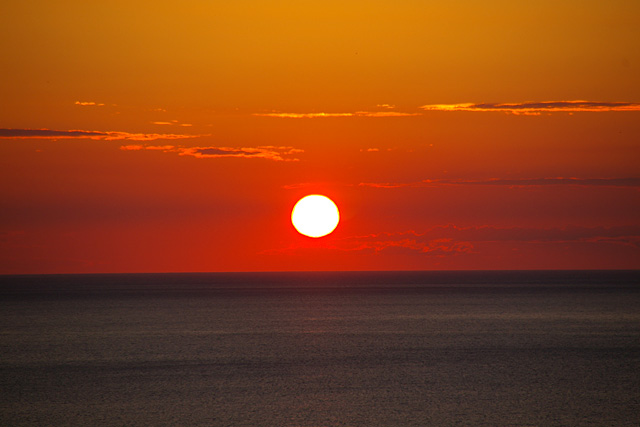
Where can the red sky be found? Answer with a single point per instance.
(157, 136)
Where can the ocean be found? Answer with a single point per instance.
(510, 348)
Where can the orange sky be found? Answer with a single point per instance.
(155, 136)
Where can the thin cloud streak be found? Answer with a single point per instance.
(171, 123)
(452, 240)
(87, 134)
(536, 108)
(89, 104)
(165, 148)
(329, 115)
(524, 108)
(282, 154)
(535, 182)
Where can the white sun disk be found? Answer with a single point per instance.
(315, 215)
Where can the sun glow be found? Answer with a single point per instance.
(315, 215)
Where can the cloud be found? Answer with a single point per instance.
(262, 152)
(409, 241)
(48, 133)
(172, 123)
(303, 115)
(537, 107)
(453, 240)
(385, 114)
(165, 148)
(88, 104)
(87, 134)
(283, 154)
(525, 108)
(311, 186)
(329, 115)
(512, 183)
(627, 234)
(587, 182)
(389, 185)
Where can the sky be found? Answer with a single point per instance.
(163, 136)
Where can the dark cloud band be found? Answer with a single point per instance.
(537, 107)
(587, 182)
(89, 134)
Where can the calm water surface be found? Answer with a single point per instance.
(311, 349)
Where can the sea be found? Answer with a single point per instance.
(436, 348)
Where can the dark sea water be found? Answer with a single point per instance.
(321, 349)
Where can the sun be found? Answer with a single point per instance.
(315, 215)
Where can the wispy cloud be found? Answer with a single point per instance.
(303, 115)
(411, 241)
(311, 186)
(385, 114)
(88, 104)
(283, 154)
(138, 147)
(587, 182)
(452, 240)
(329, 115)
(537, 107)
(172, 123)
(49, 133)
(525, 108)
(87, 134)
(389, 184)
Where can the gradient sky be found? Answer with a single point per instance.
(157, 136)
